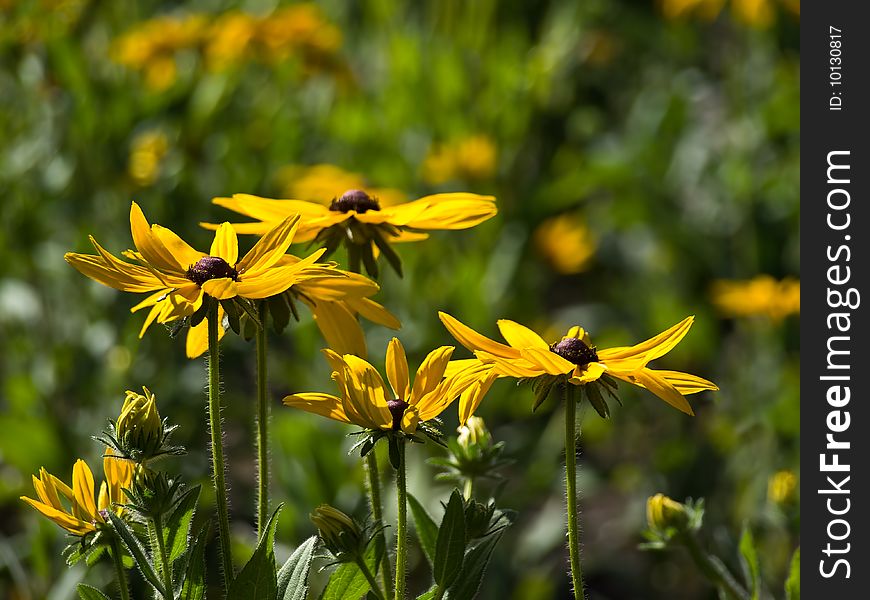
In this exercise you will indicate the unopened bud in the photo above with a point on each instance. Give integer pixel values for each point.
(139, 428)
(662, 513)
(474, 433)
(339, 532)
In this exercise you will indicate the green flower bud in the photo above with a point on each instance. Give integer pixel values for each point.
(139, 428)
(478, 518)
(339, 532)
(662, 514)
(474, 433)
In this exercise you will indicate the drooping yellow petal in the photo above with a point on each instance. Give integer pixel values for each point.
(197, 337)
(454, 211)
(686, 383)
(474, 341)
(587, 373)
(83, 490)
(456, 366)
(324, 405)
(269, 248)
(470, 399)
(367, 393)
(129, 278)
(658, 385)
(431, 372)
(340, 328)
(225, 244)
(519, 336)
(397, 369)
(222, 288)
(510, 367)
(652, 348)
(549, 362)
(374, 312)
(67, 521)
(269, 210)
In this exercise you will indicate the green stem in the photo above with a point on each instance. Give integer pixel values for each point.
(373, 583)
(120, 572)
(571, 489)
(262, 428)
(217, 444)
(373, 481)
(439, 592)
(468, 490)
(401, 525)
(165, 565)
(713, 569)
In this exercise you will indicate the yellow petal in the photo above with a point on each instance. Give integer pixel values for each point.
(587, 373)
(197, 337)
(324, 405)
(519, 336)
(474, 341)
(510, 367)
(652, 348)
(454, 211)
(397, 369)
(267, 209)
(658, 385)
(472, 396)
(128, 278)
(151, 248)
(83, 490)
(222, 289)
(180, 250)
(340, 328)
(374, 312)
(686, 383)
(65, 520)
(225, 244)
(367, 393)
(549, 362)
(456, 366)
(277, 279)
(430, 373)
(269, 248)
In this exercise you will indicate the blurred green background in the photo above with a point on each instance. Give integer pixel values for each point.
(641, 152)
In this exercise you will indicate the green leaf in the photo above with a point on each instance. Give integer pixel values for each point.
(137, 551)
(193, 587)
(427, 530)
(793, 583)
(450, 544)
(473, 568)
(293, 576)
(257, 579)
(428, 595)
(87, 592)
(750, 562)
(178, 525)
(347, 582)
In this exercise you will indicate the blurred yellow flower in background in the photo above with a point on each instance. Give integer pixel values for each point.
(228, 39)
(473, 158)
(781, 487)
(323, 183)
(754, 13)
(760, 296)
(147, 152)
(565, 242)
(83, 514)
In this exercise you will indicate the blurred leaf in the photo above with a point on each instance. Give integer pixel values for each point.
(257, 579)
(143, 561)
(749, 562)
(450, 544)
(87, 592)
(427, 530)
(293, 576)
(793, 583)
(474, 568)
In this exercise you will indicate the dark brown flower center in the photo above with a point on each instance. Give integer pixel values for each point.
(575, 351)
(211, 267)
(397, 409)
(356, 200)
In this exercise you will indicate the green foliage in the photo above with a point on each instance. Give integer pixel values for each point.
(257, 580)
(427, 530)
(293, 576)
(87, 592)
(793, 583)
(749, 562)
(347, 581)
(450, 543)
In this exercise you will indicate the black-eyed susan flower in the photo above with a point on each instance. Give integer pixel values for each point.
(79, 513)
(366, 401)
(574, 359)
(359, 221)
(179, 279)
(760, 296)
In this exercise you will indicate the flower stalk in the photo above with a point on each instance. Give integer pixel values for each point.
(712, 568)
(262, 426)
(373, 583)
(571, 488)
(120, 572)
(401, 524)
(163, 557)
(217, 445)
(373, 481)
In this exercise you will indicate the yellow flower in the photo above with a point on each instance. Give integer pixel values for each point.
(229, 38)
(367, 402)
(300, 28)
(527, 355)
(762, 295)
(148, 150)
(357, 219)
(473, 157)
(321, 183)
(662, 513)
(781, 487)
(565, 242)
(179, 278)
(83, 515)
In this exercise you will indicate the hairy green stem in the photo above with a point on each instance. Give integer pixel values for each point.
(713, 569)
(262, 427)
(571, 489)
(468, 490)
(373, 583)
(401, 524)
(165, 564)
(217, 444)
(120, 572)
(373, 483)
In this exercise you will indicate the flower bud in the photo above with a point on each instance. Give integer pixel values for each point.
(339, 532)
(139, 428)
(662, 513)
(478, 517)
(474, 433)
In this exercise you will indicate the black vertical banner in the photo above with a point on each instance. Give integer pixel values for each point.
(835, 224)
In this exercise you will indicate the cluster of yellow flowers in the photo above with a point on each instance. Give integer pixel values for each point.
(760, 296)
(471, 158)
(147, 152)
(300, 31)
(754, 13)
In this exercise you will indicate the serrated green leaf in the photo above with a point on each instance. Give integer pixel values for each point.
(193, 587)
(474, 566)
(427, 530)
(793, 583)
(347, 582)
(749, 557)
(257, 580)
(87, 592)
(450, 544)
(293, 576)
(178, 525)
(428, 595)
(134, 546)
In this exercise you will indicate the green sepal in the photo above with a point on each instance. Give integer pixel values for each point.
(197, 317)
(233, 315)
(387, 251)
(279, 310)
(394, 453)
(597, 400)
